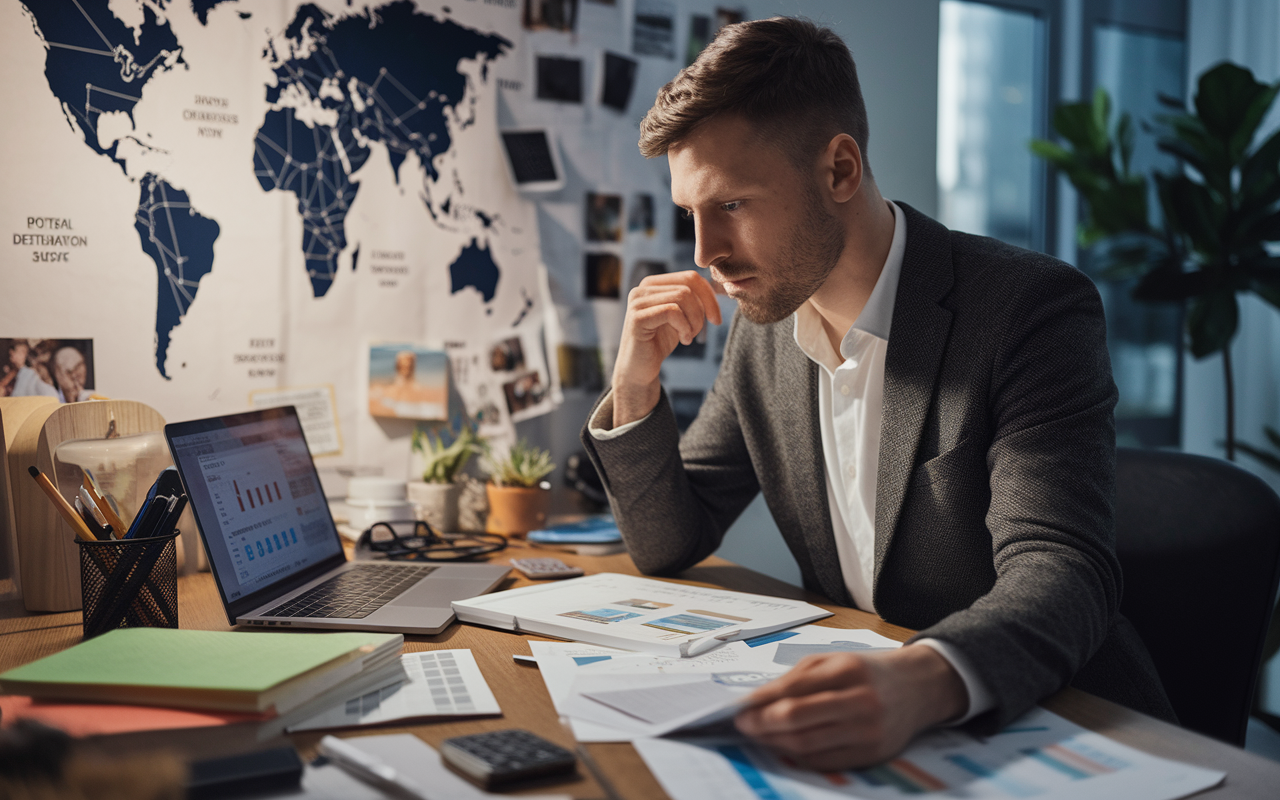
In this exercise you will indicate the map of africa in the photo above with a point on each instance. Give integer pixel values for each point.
(345, 83)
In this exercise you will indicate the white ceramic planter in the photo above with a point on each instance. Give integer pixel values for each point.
(437, 503)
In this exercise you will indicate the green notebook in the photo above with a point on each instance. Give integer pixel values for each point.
(227, 670)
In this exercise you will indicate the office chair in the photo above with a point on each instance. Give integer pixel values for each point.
(1199, 541)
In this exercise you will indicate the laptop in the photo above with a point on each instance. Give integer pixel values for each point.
(273, 548)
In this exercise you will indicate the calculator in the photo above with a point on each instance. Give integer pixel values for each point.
(501, 757)
(545, 568)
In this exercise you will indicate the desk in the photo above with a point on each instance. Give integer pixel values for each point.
(525, 702)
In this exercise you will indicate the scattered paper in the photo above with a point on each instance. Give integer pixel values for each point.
(1040, 755)
(438, 683)
(611, 695)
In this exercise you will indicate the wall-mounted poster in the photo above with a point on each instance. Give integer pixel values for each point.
(580, 367)
(604, 275)
(685, 230)
(604, 217)
(559, 79)
(699, 37)
(61, 368)
(556, 15)
(654, 32)
(317, 411)
(408, 382)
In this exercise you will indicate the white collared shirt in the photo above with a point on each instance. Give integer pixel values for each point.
(850, 413)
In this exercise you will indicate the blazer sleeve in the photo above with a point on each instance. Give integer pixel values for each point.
(1051, 463)
(674, 497)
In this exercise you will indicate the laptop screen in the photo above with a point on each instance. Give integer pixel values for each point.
(256, 498)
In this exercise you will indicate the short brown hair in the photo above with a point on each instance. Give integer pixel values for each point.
(795, 80)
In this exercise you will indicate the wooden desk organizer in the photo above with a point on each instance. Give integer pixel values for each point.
(49, 562)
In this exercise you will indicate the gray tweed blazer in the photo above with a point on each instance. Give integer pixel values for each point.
(994, 527)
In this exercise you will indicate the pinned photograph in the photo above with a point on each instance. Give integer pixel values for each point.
(524, 393)
(604, 217)
(556, 15)
(580, 367)
(699, 37)
(643, 269)
(640, 214)
(408, 382)
(559, 79)
(619, 78)
(60, 368)
(507, 355)
(728, 16)
(654, 32)
(604, 275)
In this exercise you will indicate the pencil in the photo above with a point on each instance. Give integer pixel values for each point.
(64, 508)
(113, 519)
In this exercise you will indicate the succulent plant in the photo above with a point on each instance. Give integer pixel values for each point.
(443, 461)
(523, 465)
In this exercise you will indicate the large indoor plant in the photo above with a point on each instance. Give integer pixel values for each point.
(519, 498)
(1218, 212)
(436, 495)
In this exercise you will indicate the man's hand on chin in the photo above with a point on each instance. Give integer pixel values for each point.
(841, 710)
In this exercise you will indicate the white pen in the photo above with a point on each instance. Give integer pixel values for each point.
(368, 767)
(699, 646)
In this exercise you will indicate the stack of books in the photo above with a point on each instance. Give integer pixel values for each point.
(593, 536)
(161, 678)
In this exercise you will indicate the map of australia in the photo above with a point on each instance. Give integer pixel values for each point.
(388, 75)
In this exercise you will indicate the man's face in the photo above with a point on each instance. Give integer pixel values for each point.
(761, 224)
(70, 372)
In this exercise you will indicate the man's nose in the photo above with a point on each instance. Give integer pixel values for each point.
(711, 243)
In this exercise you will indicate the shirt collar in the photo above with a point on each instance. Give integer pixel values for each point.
(876, 316)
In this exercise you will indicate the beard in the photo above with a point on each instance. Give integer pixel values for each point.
(807, 259)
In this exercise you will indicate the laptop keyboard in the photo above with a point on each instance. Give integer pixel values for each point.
(353, 594)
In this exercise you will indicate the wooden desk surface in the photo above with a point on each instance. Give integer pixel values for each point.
(525, 703)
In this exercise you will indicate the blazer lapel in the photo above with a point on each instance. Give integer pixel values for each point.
(917, 340)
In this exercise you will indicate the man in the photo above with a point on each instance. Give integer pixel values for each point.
(70, 374)
(928, 414)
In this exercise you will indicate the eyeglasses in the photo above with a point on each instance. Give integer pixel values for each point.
(415, 540)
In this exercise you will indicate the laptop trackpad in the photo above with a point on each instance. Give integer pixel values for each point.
(439, 592)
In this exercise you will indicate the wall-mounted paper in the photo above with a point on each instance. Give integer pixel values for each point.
(316, 411)
(535, 164)
(640, 214)
(655, 28)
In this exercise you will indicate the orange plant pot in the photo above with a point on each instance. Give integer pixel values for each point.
(516, 510)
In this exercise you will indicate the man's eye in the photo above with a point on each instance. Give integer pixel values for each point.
(733, 206)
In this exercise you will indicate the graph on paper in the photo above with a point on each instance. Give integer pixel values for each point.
(1041, 756)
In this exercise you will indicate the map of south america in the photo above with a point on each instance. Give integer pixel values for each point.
(388, 75)
(95, 65)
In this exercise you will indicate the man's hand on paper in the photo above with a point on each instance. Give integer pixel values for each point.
(662, 312)
(842, 710)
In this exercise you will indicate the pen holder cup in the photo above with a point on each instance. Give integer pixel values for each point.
(129, 583)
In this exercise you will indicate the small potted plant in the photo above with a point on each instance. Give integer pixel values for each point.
(519, 498)
(436, 495)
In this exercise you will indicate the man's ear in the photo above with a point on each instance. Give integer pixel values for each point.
(842, 167)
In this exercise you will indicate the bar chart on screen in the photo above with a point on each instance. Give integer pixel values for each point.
(1040, 756)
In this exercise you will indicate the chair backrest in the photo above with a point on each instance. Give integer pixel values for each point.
(1199, 541)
